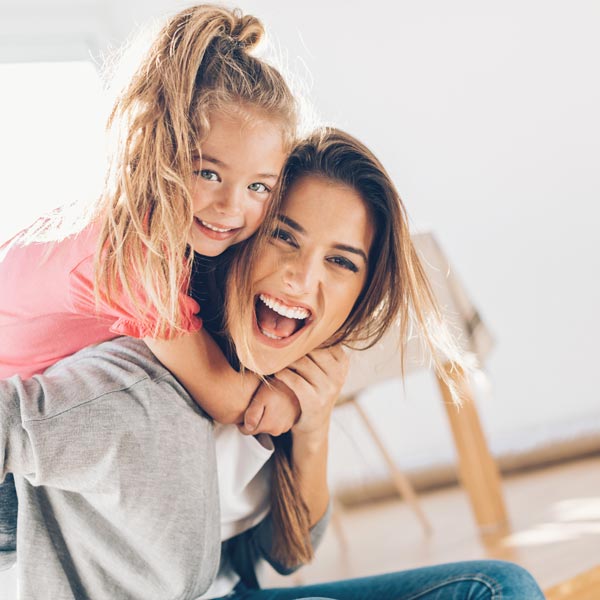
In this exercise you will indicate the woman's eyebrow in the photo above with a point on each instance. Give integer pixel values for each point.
(352, 249)
(344, 247)
(291, 223)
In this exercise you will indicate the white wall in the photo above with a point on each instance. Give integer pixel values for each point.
(486, 115)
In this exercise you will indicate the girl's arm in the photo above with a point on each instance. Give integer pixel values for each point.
(317, 380)
(201, 367)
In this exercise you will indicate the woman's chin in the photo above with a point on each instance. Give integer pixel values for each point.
(265, 360)
(260, 368)
(260, 362)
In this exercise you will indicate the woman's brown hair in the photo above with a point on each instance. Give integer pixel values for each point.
(396, 291)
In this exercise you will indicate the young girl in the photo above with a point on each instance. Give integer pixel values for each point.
(201, 133)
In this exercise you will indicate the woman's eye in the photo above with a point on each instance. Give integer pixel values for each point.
(344, 262)
(261, 188)
(284, 236)
(206, 174)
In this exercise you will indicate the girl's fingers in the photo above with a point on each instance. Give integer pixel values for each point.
(278, 419)
(254, 413)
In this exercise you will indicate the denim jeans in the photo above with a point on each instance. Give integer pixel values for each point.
(8, 522)
(471, 580)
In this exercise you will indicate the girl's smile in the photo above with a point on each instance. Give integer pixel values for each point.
(232, 181)
(215, 232)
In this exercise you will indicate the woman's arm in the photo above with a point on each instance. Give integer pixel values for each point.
(317, 380)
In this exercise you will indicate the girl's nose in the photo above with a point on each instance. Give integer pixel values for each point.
(230, 201)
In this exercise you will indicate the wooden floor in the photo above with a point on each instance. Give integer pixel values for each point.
(555, 533)
(585, 586)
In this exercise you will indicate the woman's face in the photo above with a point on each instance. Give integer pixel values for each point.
(309, 276)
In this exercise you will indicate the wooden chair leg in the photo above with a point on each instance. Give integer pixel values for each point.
(401, 482)
(478, 470)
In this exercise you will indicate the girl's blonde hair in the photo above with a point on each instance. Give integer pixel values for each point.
(396, 291)
(201, 62)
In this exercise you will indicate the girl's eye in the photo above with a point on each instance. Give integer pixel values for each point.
(208, 175)
(284, 236)
(261, 188)
(344, 262)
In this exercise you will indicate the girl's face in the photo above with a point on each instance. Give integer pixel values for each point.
(309, 276)
(231, 186)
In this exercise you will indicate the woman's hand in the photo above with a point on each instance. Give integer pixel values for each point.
(312, 383)
(317, 381)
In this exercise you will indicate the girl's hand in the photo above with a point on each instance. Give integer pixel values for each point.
(317, 381)
(274, 409)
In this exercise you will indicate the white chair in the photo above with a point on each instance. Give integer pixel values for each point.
(477, 469)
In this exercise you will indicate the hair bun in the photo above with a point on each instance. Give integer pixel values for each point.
(247, 31)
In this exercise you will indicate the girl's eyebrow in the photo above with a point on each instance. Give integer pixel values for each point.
(220, 163)
(212, 159)
(344, 247)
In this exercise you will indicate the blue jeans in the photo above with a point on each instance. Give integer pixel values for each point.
(8, 522)
(472, 580)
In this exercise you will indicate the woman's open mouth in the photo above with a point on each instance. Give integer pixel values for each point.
(277, 321)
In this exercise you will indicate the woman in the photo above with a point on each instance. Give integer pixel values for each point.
(131, 511)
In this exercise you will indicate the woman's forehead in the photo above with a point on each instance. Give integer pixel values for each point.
(328, 208)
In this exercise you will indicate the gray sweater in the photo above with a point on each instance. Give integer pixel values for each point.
(116, 476)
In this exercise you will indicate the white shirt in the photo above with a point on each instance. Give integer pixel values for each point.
(244, 474)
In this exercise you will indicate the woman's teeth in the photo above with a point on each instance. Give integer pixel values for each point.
(214, 227)
(291, 312)
(271, 336)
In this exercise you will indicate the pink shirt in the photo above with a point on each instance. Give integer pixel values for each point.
(47, 305)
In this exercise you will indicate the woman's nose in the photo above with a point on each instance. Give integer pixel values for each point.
(301, 275)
